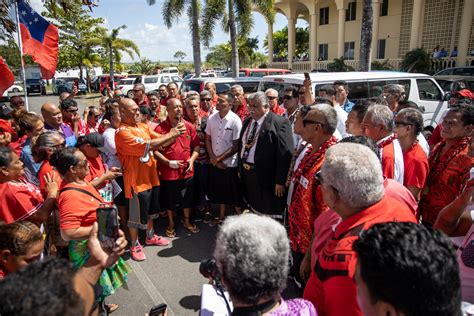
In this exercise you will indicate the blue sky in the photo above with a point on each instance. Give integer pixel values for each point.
(145, 26)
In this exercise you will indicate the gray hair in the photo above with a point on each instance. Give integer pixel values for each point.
(271, 90)
(252, 255)
(396, 89)
(192, 97)
(139, 85)
(414, 117)
(237, 87)
(330, 116)
(355, 172)
(260, 97)
(42, 143)
(381, 115)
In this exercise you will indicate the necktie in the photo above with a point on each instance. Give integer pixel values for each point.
(250, 141)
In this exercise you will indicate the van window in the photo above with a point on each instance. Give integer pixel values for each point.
(190, 86)
(249, 87)
(279, 86)
(427, 90)
(376, 87)
(165, 79)
(176, 79)
(358, 90)
(257, 74)
(223, 87)
(151, 80)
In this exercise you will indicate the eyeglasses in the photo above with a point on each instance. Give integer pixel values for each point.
(271, 98)
(206, 100)
(312, 122)
(287, 97)
(120, 95)
(398, 124)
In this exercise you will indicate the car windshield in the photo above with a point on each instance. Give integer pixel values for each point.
(33, 80)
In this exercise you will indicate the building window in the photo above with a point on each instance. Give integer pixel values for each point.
(323, 52)
(324, 16)
(384, 8)
(351, 11)
(381, 49)
(349, 50)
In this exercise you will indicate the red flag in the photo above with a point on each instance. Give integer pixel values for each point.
(39, 39)
(6, 77)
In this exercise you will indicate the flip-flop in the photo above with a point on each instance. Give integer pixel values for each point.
(192, 228)
(111, 308)
(170, 233)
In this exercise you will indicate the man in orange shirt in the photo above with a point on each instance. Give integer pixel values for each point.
(134, 142)
(408, 125)
(352, 185)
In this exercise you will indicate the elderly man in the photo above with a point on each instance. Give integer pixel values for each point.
(394, 94)
(211, 87)
(304, 194)
(176, 167)
(53, 120)
(222, 142)
(422, 260)
(342, 91)
(134, 140)
(264, 157)
(239, 104)
(139, 95)
(352, 185)
(207, 106)
(17, 102)
(408, 125)
(378, 124)
(272, 96)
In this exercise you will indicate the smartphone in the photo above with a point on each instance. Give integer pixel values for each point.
(306, 76)
(158, 310)
(107, 218)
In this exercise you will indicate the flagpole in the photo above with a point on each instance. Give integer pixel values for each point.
(20, 45)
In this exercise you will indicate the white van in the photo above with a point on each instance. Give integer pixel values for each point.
(170, 70)
(421, 89)
(153, 82)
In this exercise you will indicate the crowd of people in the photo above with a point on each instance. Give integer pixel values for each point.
(350, 200)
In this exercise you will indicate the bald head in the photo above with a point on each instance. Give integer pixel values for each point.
(129, 111)
(52, 115)
(174, 107)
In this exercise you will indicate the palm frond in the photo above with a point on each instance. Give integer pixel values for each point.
(212, 13)
(243, 17)
(172, 9)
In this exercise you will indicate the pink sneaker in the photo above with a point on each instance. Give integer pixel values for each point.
(137, 253)
(157, 241)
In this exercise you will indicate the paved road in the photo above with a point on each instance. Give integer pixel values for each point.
(170, 274)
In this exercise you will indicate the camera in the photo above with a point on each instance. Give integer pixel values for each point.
(214, 299)
(208, 268)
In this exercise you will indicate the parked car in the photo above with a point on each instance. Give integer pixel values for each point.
(447, 82)
(170, 70)
(13, 90)
(456, 71)
(203, 75)
(35, 86)
(81, 86)
(126, 85)
(59, 84)
(419, 88)
(223, 84)
(153, 82)
(260, 72)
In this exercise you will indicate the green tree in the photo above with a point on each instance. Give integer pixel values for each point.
(280, 42)
(179, 55)
(339, 65)
(113, 47)
(172, 9)
(220, 55)
(144, 66)
(417, 60)
(236, 20)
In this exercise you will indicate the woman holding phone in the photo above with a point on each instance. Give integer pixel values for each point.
(78, 202)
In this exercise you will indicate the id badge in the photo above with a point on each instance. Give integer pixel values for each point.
(304, 182)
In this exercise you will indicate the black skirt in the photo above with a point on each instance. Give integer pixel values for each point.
(224, 186)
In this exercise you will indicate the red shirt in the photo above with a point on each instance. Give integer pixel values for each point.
(19, 200)
(335, 290)
(397, 191)
(142, 102)
(180, 149)
(242, 111)
(82, 128)
(278, 110)
(45, 169)
(416, 167)
(435, 137)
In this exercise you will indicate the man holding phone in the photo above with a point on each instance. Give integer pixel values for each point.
(134, 141)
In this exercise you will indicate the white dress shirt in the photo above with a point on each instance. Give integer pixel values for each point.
(223, 132)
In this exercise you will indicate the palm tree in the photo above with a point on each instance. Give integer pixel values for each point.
(114, 46)
(172, 9)
(366, 36)
(238, 17)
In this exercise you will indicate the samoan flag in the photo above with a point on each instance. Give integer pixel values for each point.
(39, 39)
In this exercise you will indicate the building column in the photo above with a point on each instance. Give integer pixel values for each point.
(465, 33)
(416, 24)
(313, 41)
(270, 43)
(340, 32)
(375, 29)
(291, 41)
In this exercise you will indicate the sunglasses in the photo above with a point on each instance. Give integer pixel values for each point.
(272, 98)
(305, 122)
(398, 124)
(287, 97)
(120, 95)
(206, 100)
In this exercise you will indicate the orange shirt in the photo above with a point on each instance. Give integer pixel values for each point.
(77, 209)
(132, 142)
(416, 167)
(336, 292)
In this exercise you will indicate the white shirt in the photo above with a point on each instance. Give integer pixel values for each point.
(223, 132)
(424, 144)
(398, 153)
(341, 120)
(109, 150)
(246, 135)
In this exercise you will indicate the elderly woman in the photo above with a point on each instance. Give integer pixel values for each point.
(19, 199)
(393, 94)
(20, 244)
(252, 257)
(77, 208)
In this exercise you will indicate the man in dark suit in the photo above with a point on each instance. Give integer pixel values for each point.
(264, 157)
